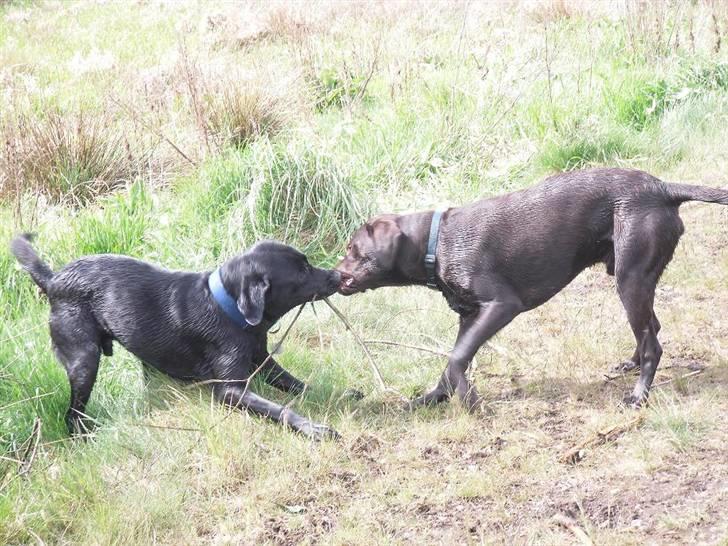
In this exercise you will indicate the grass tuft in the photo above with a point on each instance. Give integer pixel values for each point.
(578, 148)
(118, 226)
(239, 112)
(70, 157)
(303, 198)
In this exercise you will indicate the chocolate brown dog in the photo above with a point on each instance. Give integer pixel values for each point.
(499, 257)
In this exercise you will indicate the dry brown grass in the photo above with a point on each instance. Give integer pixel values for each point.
(71, 156)
(230, 108)
(241, 111)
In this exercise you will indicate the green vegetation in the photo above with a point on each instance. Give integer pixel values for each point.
(181, 133)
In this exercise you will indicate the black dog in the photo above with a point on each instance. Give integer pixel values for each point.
(499, 257)
(198, 326)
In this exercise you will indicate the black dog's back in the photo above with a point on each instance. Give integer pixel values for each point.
(177, 323)
(157, 314)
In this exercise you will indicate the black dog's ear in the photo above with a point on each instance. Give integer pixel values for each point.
(252, 300)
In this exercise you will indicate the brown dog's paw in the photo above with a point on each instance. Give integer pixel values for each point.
(477, 405)
(626, 367)
(633, 402)
(432, 398)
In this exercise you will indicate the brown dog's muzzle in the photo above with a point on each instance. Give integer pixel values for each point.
(348, 284)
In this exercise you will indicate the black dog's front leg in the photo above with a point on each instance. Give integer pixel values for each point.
(237, 396)
(276, 376)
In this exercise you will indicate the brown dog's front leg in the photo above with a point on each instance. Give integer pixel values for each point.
(474, 330)
(237, 396)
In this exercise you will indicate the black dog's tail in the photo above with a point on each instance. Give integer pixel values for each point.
(31, 262)
(685, 192)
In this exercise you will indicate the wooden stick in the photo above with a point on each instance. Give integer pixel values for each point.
(406, 346)
(575, 454)
(571, 525)
(661, 383)
(375, 369)
(30, 452)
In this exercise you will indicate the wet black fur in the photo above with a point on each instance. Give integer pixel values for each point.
(169, 320)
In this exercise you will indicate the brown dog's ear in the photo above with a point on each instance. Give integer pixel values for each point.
(251, 302)
(370, 229)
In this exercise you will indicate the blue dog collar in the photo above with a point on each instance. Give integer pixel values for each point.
(430, 258)
(225, 300)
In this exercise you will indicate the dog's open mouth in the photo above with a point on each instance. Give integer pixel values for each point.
(348, 284)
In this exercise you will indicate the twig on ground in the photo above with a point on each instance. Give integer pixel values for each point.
(570, 524)
(22, 334)
(165, 427)
(375, 369)
(406, 346)
(693, 372)
(577, 453)
(30, 452)
(10, 460)
(661, 383)
(36, 397)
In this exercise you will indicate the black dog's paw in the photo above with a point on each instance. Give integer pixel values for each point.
(319, 432)
(81, 428)
(352, 394)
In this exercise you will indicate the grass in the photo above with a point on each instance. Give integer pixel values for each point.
(181, 133)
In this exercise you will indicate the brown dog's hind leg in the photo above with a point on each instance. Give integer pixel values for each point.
(475, 330)
(638, 305)
(644, 246)
(633, 363)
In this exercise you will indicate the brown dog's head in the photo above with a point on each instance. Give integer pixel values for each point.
(372, 256)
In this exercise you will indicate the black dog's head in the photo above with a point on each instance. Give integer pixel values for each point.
(272, 278)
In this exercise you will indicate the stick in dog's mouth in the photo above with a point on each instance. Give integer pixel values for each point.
(348, 284)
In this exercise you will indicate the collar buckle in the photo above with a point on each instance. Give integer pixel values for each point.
(431, 255)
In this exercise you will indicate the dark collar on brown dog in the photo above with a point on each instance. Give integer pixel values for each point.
(430, 258)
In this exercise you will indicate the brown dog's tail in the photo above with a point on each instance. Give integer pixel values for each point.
(685, 192)
(31, 262)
